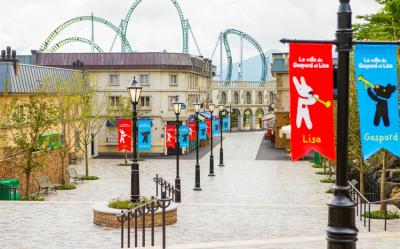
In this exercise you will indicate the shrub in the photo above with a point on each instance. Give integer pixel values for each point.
(321, 173)
(377, 214)
(33, 198)
(327, 180)
(330, 191)
(89, 178)
(67, 186)
(317, 166)
(119, 203)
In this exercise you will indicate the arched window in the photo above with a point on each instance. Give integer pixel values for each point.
(236, 98)
(223, 98)
(248, 98)
(260, 98)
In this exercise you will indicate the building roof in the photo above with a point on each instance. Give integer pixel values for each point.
(150, 60)
(31, 78)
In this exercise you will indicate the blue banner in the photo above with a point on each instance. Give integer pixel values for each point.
(225, 124)
(184, 136)
(215, 127)
(202, 131)
(377, 90)
(144, 134)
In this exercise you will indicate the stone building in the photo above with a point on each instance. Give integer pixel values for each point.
(247, 101)
(164, 77)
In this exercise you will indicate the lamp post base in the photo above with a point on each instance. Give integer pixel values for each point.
(197, 189)
(135, 192)
(221, 165)
(341, 230)
(211, 165)
(197, 178)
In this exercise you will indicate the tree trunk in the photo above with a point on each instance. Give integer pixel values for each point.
(362, 185)
(383, 180)
(126, 157)
(86, 160)
(62, 156)
(27, 189)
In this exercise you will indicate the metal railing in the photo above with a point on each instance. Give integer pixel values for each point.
(12, 192)
(164, 186)
(362, 202)
(372, 188)
(126, 217)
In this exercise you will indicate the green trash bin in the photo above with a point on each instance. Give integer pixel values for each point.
(9, 189)
(317, 158)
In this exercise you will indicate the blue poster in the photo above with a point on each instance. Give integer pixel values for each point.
(377, 90)
(184, 136)
(144, 134)
(225, 124)
(215, 127)
(202, 131)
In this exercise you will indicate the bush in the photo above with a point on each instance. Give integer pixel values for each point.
(327, 180)
(33, 198)
(123, 164)
(67, 186)
(89, 178)
(126, 204)
(330, 191)
(377, 214)
(321, 173)
(317, 166)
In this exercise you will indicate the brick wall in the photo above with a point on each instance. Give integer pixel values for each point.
(51, 167)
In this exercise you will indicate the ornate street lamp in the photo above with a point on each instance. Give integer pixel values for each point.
(221, 150)
(177, 108)
(197, 105)
(211, 109)
(134, 91)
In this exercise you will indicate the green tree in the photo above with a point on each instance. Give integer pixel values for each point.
(28, 122)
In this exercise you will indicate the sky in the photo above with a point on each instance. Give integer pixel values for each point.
(155, 25)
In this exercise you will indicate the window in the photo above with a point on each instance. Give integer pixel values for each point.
(271, 96)
(173, 79)
(223, 98)
(115, 101)
(145, 101)
(77, 144)
(236, 98)
(114, 80)
(171, 99)
(260, 98)
(248, 98)
(144, 79)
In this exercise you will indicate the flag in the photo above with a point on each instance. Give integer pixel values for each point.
(144, 134)
(377, 92)
(170, 136)
(192, 131)
(311, 100)
(184, 136)
(124, 134)
(202, 131)
(208, 125)
(215, 127)
(225, 124)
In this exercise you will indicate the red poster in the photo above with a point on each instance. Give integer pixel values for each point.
(124, 134)
(311, 100)
(208, 126)
(170, 136)
(192, 131)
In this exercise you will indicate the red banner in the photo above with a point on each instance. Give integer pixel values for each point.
(124, 134)
(311, 100)
(208, 125)
(170, 136)
(192, 131)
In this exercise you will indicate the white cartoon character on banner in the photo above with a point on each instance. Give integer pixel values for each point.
(122, 136)
(306, 98)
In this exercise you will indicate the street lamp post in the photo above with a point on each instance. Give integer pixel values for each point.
(177, 108)
(221, 150)
(230, 117)
(134, 91)
(197, 187)
(211, 109)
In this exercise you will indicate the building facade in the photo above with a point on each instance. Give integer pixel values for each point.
(164, 77)
(247, 101)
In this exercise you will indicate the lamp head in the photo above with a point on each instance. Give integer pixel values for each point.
(197, 105)
(177, 106)
(134, 90)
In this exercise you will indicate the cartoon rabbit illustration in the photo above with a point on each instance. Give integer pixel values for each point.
(306, 98)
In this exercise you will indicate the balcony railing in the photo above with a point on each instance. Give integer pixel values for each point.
(240, 84)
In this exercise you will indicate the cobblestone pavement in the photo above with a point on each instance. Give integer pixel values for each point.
(249, 204)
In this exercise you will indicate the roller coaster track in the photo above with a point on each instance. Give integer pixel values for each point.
(59, 44)
(229, 54)
(184, 25)
(66, 24)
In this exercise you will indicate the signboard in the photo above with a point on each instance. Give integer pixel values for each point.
(215, 127)
(202, 131)
(184, 136)
(124, 134)
(144, 134)
(192, 131)
(170, 136)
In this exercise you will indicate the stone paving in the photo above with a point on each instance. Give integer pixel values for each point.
(249, 204)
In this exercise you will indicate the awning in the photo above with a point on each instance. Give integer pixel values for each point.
(207, 115)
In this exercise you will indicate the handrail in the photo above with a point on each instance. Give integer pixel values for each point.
(363, 200)
(165, 187)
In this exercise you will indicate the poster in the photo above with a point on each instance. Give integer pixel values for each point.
(144, 134)
(208, 125)
(215, 127)
(192, 131)
(377, 92)
(225, 124)
(202, 131)
(311, 100)
(124, 134)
